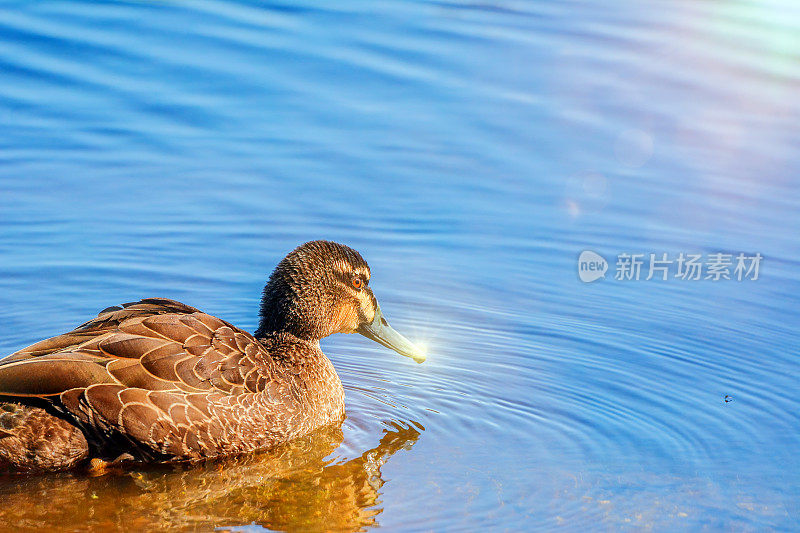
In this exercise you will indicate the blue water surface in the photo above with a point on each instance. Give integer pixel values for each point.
(470, 151)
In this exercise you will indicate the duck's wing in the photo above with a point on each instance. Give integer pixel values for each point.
(106, 321)
(151, 371)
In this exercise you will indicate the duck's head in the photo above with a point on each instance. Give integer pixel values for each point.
(322, 288)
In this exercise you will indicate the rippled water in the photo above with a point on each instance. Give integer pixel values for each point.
(470, 151)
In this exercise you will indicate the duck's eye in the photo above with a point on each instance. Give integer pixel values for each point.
(358, 283)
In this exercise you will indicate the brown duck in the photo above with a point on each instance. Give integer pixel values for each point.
(160, 381)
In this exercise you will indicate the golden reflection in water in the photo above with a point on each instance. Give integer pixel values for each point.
(291, 488)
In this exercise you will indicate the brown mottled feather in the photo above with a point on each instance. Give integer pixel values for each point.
(33, 440)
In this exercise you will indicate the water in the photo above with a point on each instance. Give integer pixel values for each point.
(470, 151)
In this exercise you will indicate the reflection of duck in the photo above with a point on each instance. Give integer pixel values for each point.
(292, 487)
(159, 381)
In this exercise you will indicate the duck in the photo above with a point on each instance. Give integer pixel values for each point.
(159, 381)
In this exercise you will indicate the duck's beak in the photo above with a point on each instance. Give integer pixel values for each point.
(381, 332)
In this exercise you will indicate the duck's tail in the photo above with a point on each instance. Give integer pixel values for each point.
(33, 440)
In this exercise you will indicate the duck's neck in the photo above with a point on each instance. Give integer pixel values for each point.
(312, 374)
(286, 347)
(282, 312)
